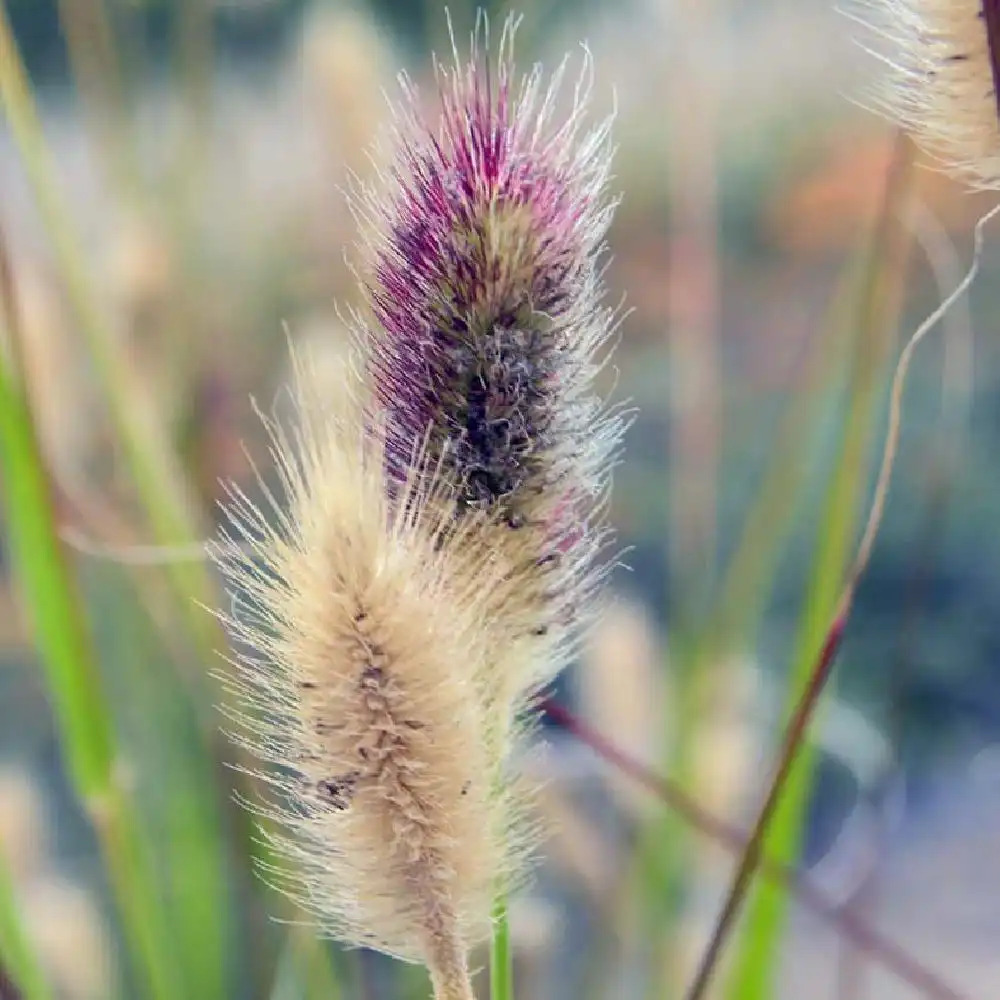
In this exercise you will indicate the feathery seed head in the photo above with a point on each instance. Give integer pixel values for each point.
(486, 284)
(944, 62)
(485, 287)
(440, 540)
(361, 678)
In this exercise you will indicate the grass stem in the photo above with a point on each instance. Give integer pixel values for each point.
(864, 937)
(501, 958)
(20, 966)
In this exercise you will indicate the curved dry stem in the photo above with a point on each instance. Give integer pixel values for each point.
(804, 710)
(889, 451)
(946, 268)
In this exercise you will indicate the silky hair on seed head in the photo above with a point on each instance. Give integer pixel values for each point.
(486, 326)
(943, 57)
(439, 539)
(358, 679)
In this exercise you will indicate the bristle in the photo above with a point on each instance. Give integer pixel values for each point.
(360, 674)
(442, 538)
(486, 287)
(943, 58)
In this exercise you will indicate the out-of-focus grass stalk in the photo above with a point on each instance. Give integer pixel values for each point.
(157, 476)
(743, 593)
(851, 926)
(193, 64)
(695, 412)
(90, 42)
(19, 959)
(74, 683)
(194, 57)
(501, 957)
(747, 580)
(693, 341)
(710, 661)
(304, 969)
(154, 471)
(180, 815)
(878, 307)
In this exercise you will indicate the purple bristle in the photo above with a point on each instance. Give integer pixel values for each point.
(485, 289)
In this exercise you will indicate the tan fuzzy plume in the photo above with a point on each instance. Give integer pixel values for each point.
(486, 327)
(943, 57)
(360, 674)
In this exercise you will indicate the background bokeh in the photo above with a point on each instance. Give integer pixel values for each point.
(775, 241)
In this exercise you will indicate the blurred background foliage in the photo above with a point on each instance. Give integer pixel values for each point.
(187, 211)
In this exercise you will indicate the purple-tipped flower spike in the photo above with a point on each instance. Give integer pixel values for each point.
(438, 541)
(486, 289)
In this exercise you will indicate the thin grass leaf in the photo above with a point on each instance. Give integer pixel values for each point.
(157, 477)
(866, 939)
(304, 969)
(152, 468)
(53, 604)
(19, 960)
(755, 969)
(661, 860)
(179, 811)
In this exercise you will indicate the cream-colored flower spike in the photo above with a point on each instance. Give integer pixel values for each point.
(944, 57)
(360, 674)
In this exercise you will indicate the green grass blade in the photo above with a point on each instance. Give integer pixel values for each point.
(501, 957)
(159, 728)
(663, 849)
(305, 969)
(51, 598)
(159, 480)
(19, 960)
(58, 624)
(757, 959)
(160, 486)
(759, 952)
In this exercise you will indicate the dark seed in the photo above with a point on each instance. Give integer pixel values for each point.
(372, 677)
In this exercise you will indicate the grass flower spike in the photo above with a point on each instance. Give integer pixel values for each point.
(485, 285)
(359, 682)
(441, 538)
(944, 57)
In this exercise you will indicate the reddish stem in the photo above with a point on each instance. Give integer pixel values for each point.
(864, 937)
(750, 860)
